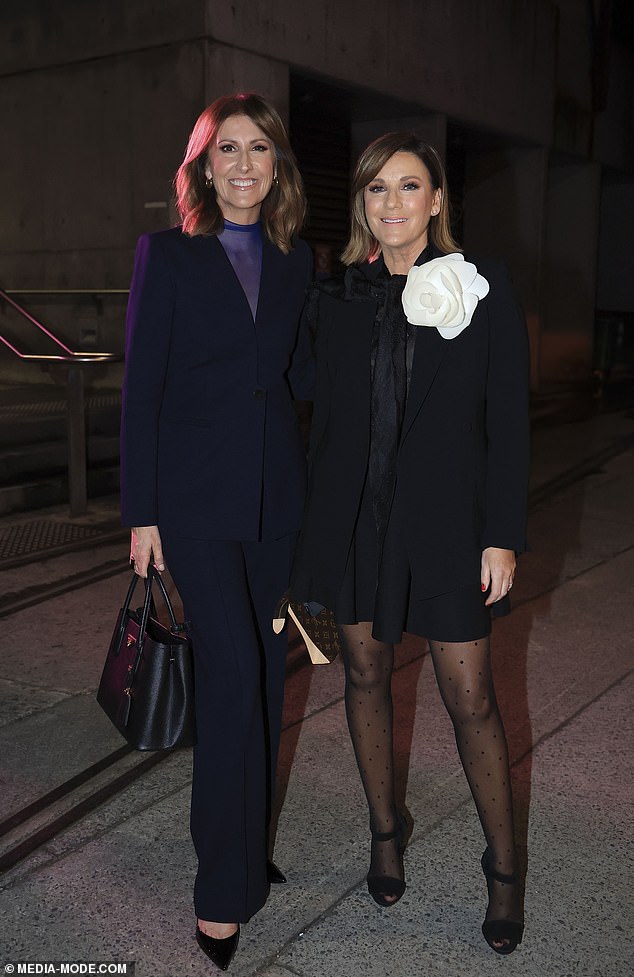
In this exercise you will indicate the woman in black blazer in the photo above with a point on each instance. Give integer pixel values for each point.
(213, 470)
(416, 504)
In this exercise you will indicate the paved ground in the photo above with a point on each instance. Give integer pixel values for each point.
(116, 883)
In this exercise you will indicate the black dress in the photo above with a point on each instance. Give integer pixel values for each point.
(377, 584)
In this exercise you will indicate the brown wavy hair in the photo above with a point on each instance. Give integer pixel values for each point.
(362, 244)
(283, 209)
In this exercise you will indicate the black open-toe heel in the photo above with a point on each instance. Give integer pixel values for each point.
(385, 889)
(219, 952)
(505, 932)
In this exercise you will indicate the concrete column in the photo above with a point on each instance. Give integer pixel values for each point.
(504, 206)
(229, 69)
(432, 128)
(616, 252)
(573, 205)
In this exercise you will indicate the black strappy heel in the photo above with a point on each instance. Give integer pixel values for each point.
(507, 932)
(385, 889)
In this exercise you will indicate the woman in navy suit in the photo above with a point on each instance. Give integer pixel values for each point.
(213, 470)
(416, 504)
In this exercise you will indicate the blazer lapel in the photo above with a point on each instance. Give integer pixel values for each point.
(271, 279)
(429, 350)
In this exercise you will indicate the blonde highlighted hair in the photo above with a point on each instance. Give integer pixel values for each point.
(362, 244)
(283, 209)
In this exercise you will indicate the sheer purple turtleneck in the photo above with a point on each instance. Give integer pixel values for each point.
(243, 246)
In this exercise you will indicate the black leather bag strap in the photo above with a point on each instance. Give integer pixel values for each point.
(148, 604)
(145, 613)
(153, 576)
(123, 616)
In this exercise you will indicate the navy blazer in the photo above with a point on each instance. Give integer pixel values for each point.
(462, 467)
(210, 443)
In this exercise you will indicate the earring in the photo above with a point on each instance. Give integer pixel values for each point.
(275, 180)
(209, 182)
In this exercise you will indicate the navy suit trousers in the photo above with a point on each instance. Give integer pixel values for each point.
(229, 591)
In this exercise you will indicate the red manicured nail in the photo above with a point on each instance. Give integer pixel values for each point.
(482, 587)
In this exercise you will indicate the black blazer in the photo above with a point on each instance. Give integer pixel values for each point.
(210, 444)
(462, 470)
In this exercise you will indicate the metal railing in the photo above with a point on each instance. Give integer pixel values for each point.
(67, 291)
(73, 363)
(96, 294)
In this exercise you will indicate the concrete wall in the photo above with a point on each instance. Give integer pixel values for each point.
(573, 81)
(613, 143)
(615, 271)
(44, 33)
(446, 55)
(504, 215)
(97, 98)
(432, 128)
(89, 166)
(90, 146)
(572, 203)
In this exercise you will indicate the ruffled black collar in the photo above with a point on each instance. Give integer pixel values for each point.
(358, 280)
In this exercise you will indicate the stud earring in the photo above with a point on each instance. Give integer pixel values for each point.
(209, 182)
(275, 180)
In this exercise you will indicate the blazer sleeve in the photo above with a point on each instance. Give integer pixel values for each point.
(301, 373)
(507, 419)
(148, 332)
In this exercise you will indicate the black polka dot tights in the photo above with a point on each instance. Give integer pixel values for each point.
(463, 673)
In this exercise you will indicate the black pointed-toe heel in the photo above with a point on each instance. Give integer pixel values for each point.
(385, 889)
(219, 952)
(274, 874)
(506, 932)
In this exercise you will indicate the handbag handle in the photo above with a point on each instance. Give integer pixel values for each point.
(152, 576)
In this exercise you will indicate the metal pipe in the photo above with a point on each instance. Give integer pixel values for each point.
(67, 291)
(35, 322)
(77, 479)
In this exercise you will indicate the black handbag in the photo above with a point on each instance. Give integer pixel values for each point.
(147, 683)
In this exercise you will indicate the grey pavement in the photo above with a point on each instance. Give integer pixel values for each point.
(116, 884)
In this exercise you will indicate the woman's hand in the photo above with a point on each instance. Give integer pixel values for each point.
(497, 570)
(145, 544)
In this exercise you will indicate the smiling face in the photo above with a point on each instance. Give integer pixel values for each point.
(399, 203)
(241, 162)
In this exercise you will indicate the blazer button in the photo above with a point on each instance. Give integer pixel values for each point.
(260, 393)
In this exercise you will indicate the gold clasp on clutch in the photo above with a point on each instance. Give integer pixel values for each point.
(128, 691)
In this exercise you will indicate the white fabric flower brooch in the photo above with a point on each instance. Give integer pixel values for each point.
(443, 293)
